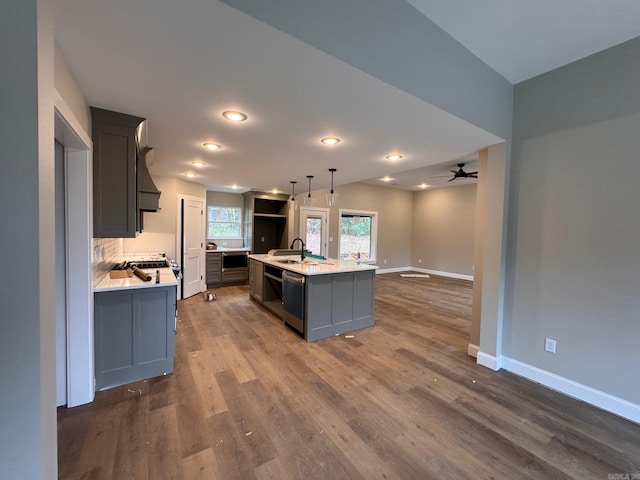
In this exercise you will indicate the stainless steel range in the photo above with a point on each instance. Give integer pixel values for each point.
(154, 262)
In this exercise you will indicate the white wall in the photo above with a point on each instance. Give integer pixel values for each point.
(159, 232)
(443, 234)
(574, 258)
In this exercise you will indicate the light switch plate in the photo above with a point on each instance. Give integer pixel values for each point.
(550, 345)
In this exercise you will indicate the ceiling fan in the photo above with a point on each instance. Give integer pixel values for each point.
(460, 173)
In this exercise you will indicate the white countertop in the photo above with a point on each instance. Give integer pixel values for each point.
(228, 249)
(311, 266)
(167, 278)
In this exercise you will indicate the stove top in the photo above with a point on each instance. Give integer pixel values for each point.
(143, 264)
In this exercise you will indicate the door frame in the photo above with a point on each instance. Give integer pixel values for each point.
(326, 212)
(79, 232)
(180, 233)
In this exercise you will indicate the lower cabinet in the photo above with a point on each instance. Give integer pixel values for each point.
(135, 335)
(256, 278)
(223, 270)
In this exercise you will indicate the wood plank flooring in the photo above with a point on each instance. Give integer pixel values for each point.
(401, 400)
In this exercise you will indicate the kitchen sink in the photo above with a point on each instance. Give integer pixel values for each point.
(288, 261)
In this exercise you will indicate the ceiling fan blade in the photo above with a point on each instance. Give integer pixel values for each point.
(452, 179)
(472, 173)
(441, 176)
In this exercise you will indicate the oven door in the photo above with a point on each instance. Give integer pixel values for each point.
(232, 260)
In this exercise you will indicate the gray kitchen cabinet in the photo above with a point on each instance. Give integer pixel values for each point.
(265, 221)
(256, 279)
(214, 269)
(217, 275)
(114, 173)
(135, 335)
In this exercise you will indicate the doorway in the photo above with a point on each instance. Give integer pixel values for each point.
(191, 222)
(314, 229)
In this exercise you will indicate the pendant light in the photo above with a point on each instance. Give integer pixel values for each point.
(332, 197)
(309, 201)
(293, 202)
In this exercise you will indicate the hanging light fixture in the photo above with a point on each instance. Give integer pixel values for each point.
(292, 201)
(309, 201)
(332, 197)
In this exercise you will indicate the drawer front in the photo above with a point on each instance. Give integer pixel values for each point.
(235, 275)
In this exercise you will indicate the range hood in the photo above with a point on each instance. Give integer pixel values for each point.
(148, 193)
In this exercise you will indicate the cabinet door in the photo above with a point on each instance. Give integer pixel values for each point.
(114, 173)
(114, 180)
(154, 333)
(256, 279)
(214, 269)
(114, 342)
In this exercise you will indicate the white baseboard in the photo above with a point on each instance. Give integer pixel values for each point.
(472, 350)
(489, 361)
(443, 274)
(392, 270)
(597, 398)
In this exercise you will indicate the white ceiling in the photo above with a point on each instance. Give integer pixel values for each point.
(520, 39)
(180, 64)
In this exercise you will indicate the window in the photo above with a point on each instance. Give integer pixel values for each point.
(224, 222)
(358, 233)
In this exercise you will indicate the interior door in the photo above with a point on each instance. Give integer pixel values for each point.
(192, 246)
(314, 229)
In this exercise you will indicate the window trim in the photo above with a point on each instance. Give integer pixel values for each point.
(240, 237)
(374, 231)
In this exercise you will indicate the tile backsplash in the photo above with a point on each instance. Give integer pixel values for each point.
(105, 252)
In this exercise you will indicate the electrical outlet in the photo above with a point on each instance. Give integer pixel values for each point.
(331, 239)
(419, 260)
(385, 261)
(550, 345)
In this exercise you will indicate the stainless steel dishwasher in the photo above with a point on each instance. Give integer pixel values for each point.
(293, 300)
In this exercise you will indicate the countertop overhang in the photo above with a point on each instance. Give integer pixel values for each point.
(167, 278)
(311, 266)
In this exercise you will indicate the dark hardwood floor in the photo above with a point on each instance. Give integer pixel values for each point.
(401, 400)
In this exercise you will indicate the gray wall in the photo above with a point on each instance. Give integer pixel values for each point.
(394, 209)
(27, 344)
(69, 89)
(443, 234)
(574, 258)
(419, 58)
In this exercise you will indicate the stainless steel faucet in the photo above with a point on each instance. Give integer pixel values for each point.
(301, 249)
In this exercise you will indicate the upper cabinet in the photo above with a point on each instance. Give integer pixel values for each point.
(122, 186)
(265, 221)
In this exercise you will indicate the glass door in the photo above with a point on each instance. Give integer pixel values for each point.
(314, 229)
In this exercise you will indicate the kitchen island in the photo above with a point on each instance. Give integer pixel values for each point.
(317, 298)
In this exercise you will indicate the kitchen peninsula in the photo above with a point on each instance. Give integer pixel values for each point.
(317, 298)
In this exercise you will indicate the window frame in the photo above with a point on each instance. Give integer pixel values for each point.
(239, 237)
(373, 254)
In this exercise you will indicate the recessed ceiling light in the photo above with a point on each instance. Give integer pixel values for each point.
(423, 185)
(235, 186)
(190, 174)
(393, 157)
(330, 140)
(234, 115)
(198, 164)
(211, 146)
(387, 179)
(275, 191)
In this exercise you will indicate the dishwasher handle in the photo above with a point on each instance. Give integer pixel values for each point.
(292, 278)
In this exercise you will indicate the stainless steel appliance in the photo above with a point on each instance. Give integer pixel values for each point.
(234, 260)
(293, 300)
